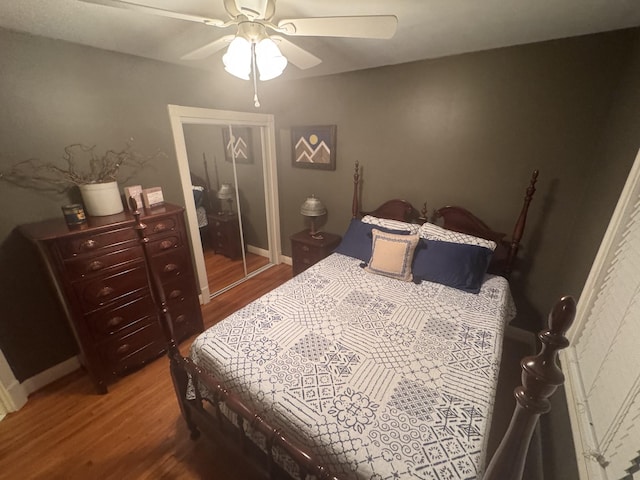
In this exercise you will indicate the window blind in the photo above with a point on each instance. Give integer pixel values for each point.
(605, 357)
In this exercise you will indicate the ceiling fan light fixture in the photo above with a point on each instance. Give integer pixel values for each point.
(237, 60)
(270, 61)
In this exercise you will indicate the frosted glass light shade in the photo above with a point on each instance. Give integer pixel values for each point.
(237, 60)
(270, 61)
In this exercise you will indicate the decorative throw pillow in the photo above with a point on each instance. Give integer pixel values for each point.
(391, 224)
(392, 254)
(455, 265)
(356, 241)
(430, 231)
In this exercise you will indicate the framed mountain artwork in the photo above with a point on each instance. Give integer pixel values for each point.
(237, 143)
(314, 147)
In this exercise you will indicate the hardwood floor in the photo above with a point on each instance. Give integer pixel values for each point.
(66, 431)
(222, 271)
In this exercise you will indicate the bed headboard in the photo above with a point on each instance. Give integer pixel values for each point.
(458, 219)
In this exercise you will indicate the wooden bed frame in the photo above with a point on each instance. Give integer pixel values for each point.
(540, 374)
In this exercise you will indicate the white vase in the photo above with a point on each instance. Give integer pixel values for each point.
(101, 199)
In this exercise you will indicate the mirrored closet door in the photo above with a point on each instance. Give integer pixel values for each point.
(228, 176)
(226, 171)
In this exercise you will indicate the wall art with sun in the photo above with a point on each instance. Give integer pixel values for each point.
(314, 147)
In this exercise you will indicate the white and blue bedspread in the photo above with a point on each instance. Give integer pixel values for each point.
(380, 378)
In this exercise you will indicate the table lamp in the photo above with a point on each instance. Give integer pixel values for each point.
(226, 193)
(313, 208)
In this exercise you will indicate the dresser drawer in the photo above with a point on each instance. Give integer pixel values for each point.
(111, 321)
(178, 291)
(165, 244)
(94, 242)
(184, 318)
(173, 264)
(85, 265)
(160, 226)
(94, 293)
(133, 350)
(307, 255)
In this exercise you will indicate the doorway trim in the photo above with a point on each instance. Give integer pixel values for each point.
(179, 116)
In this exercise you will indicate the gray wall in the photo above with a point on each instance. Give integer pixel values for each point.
(462, 130)
(468, 130)
(53, 94)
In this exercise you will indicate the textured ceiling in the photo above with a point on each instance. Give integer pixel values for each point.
(426, 28)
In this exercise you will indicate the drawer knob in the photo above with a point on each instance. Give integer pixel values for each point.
(219, 234)
(88, 244)
(181, 318)
(165, 244)
(105, 292)
(305, 248)
(170, 267)
(95, 266)
(306, 261)
(124, 348)
(115, 321)
(175, 294)
(160, 227)
(217, 224)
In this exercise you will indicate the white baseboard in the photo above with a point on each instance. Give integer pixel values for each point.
(286, 260)
(50, 375)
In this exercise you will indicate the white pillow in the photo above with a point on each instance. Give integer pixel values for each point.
(430, 231)
(392, 255)
(391, 224)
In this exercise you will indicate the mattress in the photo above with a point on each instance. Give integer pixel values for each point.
(379, 378)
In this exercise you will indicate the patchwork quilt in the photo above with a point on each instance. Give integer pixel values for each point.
(380, 378)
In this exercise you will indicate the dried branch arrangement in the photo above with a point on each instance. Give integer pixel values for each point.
(79, 165)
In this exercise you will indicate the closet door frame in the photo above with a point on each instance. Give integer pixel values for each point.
(179, 116)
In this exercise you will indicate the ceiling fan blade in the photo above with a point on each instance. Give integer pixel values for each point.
(208, 49)
(373, 26)
(157, 11)
(294, 54)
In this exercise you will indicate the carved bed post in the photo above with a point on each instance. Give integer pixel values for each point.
(541, 376)
(518, 230)
(355, 208)
(178, 375)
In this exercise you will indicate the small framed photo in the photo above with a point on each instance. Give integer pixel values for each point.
(237, 141)
(314, 147)
(152, 197)
(134, 191)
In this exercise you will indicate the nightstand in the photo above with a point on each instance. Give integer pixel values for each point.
(307, 250)
(225, 234)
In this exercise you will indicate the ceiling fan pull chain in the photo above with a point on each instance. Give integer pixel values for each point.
(256, 102)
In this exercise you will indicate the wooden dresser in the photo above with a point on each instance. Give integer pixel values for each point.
(225, 234)
(99, 273)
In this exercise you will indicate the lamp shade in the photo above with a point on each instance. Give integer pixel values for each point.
(237, 60)
(270, 61)
(312, 207)
(225, 192)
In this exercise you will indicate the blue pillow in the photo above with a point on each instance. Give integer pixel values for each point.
(452, 264)
(357, 240)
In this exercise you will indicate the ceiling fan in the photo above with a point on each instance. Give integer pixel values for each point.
(254, 19)
(253, 48)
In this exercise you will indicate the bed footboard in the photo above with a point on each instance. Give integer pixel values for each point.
(541, 376)
(197, 417)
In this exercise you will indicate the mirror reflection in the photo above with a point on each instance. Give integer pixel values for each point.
(227, 178)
